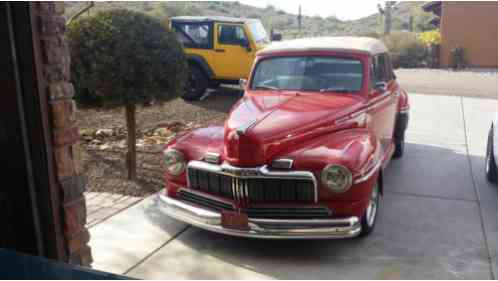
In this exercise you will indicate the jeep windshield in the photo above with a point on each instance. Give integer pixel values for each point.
(258, 32)
(309, 73)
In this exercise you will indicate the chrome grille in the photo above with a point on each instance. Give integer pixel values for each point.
(252, 189)
(204, 200)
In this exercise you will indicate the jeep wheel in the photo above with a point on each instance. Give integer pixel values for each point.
(197, 84)
(491, 170)
(370, 217)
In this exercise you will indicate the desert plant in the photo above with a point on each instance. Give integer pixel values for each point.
(458, 58)
(406, 49)
(125, 58)
(432, 37)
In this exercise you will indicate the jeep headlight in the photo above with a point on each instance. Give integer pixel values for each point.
(337, 178)
(174, 162)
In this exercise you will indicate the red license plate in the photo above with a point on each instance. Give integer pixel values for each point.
(234, 220)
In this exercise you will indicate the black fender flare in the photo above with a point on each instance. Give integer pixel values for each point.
(401, 124)
(494, 128)
(199, 61)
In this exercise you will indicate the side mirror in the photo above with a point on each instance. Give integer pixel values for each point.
(243, 83)
(276, 37)
(380, 87)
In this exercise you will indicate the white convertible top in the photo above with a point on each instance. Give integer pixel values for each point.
(368, 45)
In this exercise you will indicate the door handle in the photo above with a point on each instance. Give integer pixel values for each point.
(219, 50)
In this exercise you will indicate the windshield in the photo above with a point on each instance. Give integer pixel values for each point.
(309, 73)
(258, 31)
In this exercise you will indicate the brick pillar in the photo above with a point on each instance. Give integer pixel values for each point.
(50, 25)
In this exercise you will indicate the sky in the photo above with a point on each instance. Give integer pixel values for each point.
(342, 9)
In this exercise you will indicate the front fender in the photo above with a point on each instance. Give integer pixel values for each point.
(357, 149)
(194, 145)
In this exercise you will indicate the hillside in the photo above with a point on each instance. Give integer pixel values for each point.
(272, 17)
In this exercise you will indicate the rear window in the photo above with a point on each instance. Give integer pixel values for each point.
(194, 35)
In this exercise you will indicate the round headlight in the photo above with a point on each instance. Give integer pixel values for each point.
(174, 162)
(337, 178)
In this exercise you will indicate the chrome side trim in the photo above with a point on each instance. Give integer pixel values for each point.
(262, 228)
(362, 177)
(369, 174)
(362, 115)
(249, 173)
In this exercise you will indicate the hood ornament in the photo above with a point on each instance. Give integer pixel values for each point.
(243, 129)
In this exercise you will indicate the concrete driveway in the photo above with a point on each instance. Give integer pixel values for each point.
(438, 219)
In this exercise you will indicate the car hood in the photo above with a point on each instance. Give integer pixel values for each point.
(263, 125)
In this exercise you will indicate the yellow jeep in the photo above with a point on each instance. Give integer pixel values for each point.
(219, 49)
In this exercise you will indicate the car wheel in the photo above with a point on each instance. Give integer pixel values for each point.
(399, 146)
(370, 217)
(491, 171)
(197, 84)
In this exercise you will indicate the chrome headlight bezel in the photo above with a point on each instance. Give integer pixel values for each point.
(174, 162)
(346, 180)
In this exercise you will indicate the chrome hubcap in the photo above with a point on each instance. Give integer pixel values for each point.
(372, 206)
(488, 163)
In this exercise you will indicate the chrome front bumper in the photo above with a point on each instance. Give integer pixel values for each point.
(262, 228)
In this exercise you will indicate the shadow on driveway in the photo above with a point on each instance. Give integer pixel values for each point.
(429, 227)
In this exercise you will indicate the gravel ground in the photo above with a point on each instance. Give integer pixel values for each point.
(105, 167)
(473, 83)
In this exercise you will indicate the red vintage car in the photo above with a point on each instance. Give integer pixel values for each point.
(302, 153)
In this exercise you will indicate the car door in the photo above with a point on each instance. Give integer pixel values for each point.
(233, 54)
(383, 100)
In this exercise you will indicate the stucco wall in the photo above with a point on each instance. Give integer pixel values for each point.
(474, 26)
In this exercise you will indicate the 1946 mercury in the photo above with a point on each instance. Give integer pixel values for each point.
(302, 154)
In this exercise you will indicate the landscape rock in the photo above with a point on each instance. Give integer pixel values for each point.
(87, 132)
(102, 133)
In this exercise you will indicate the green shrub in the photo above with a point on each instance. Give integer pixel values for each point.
(120, 57)
(125, 58)
(406, 50)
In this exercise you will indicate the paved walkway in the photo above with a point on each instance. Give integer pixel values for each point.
(101, 206)
(438, 219)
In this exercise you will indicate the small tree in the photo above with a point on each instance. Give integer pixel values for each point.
(125, 58)
(406, 49)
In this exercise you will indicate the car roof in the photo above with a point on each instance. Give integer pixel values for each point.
(211, 19)
(367, 45)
